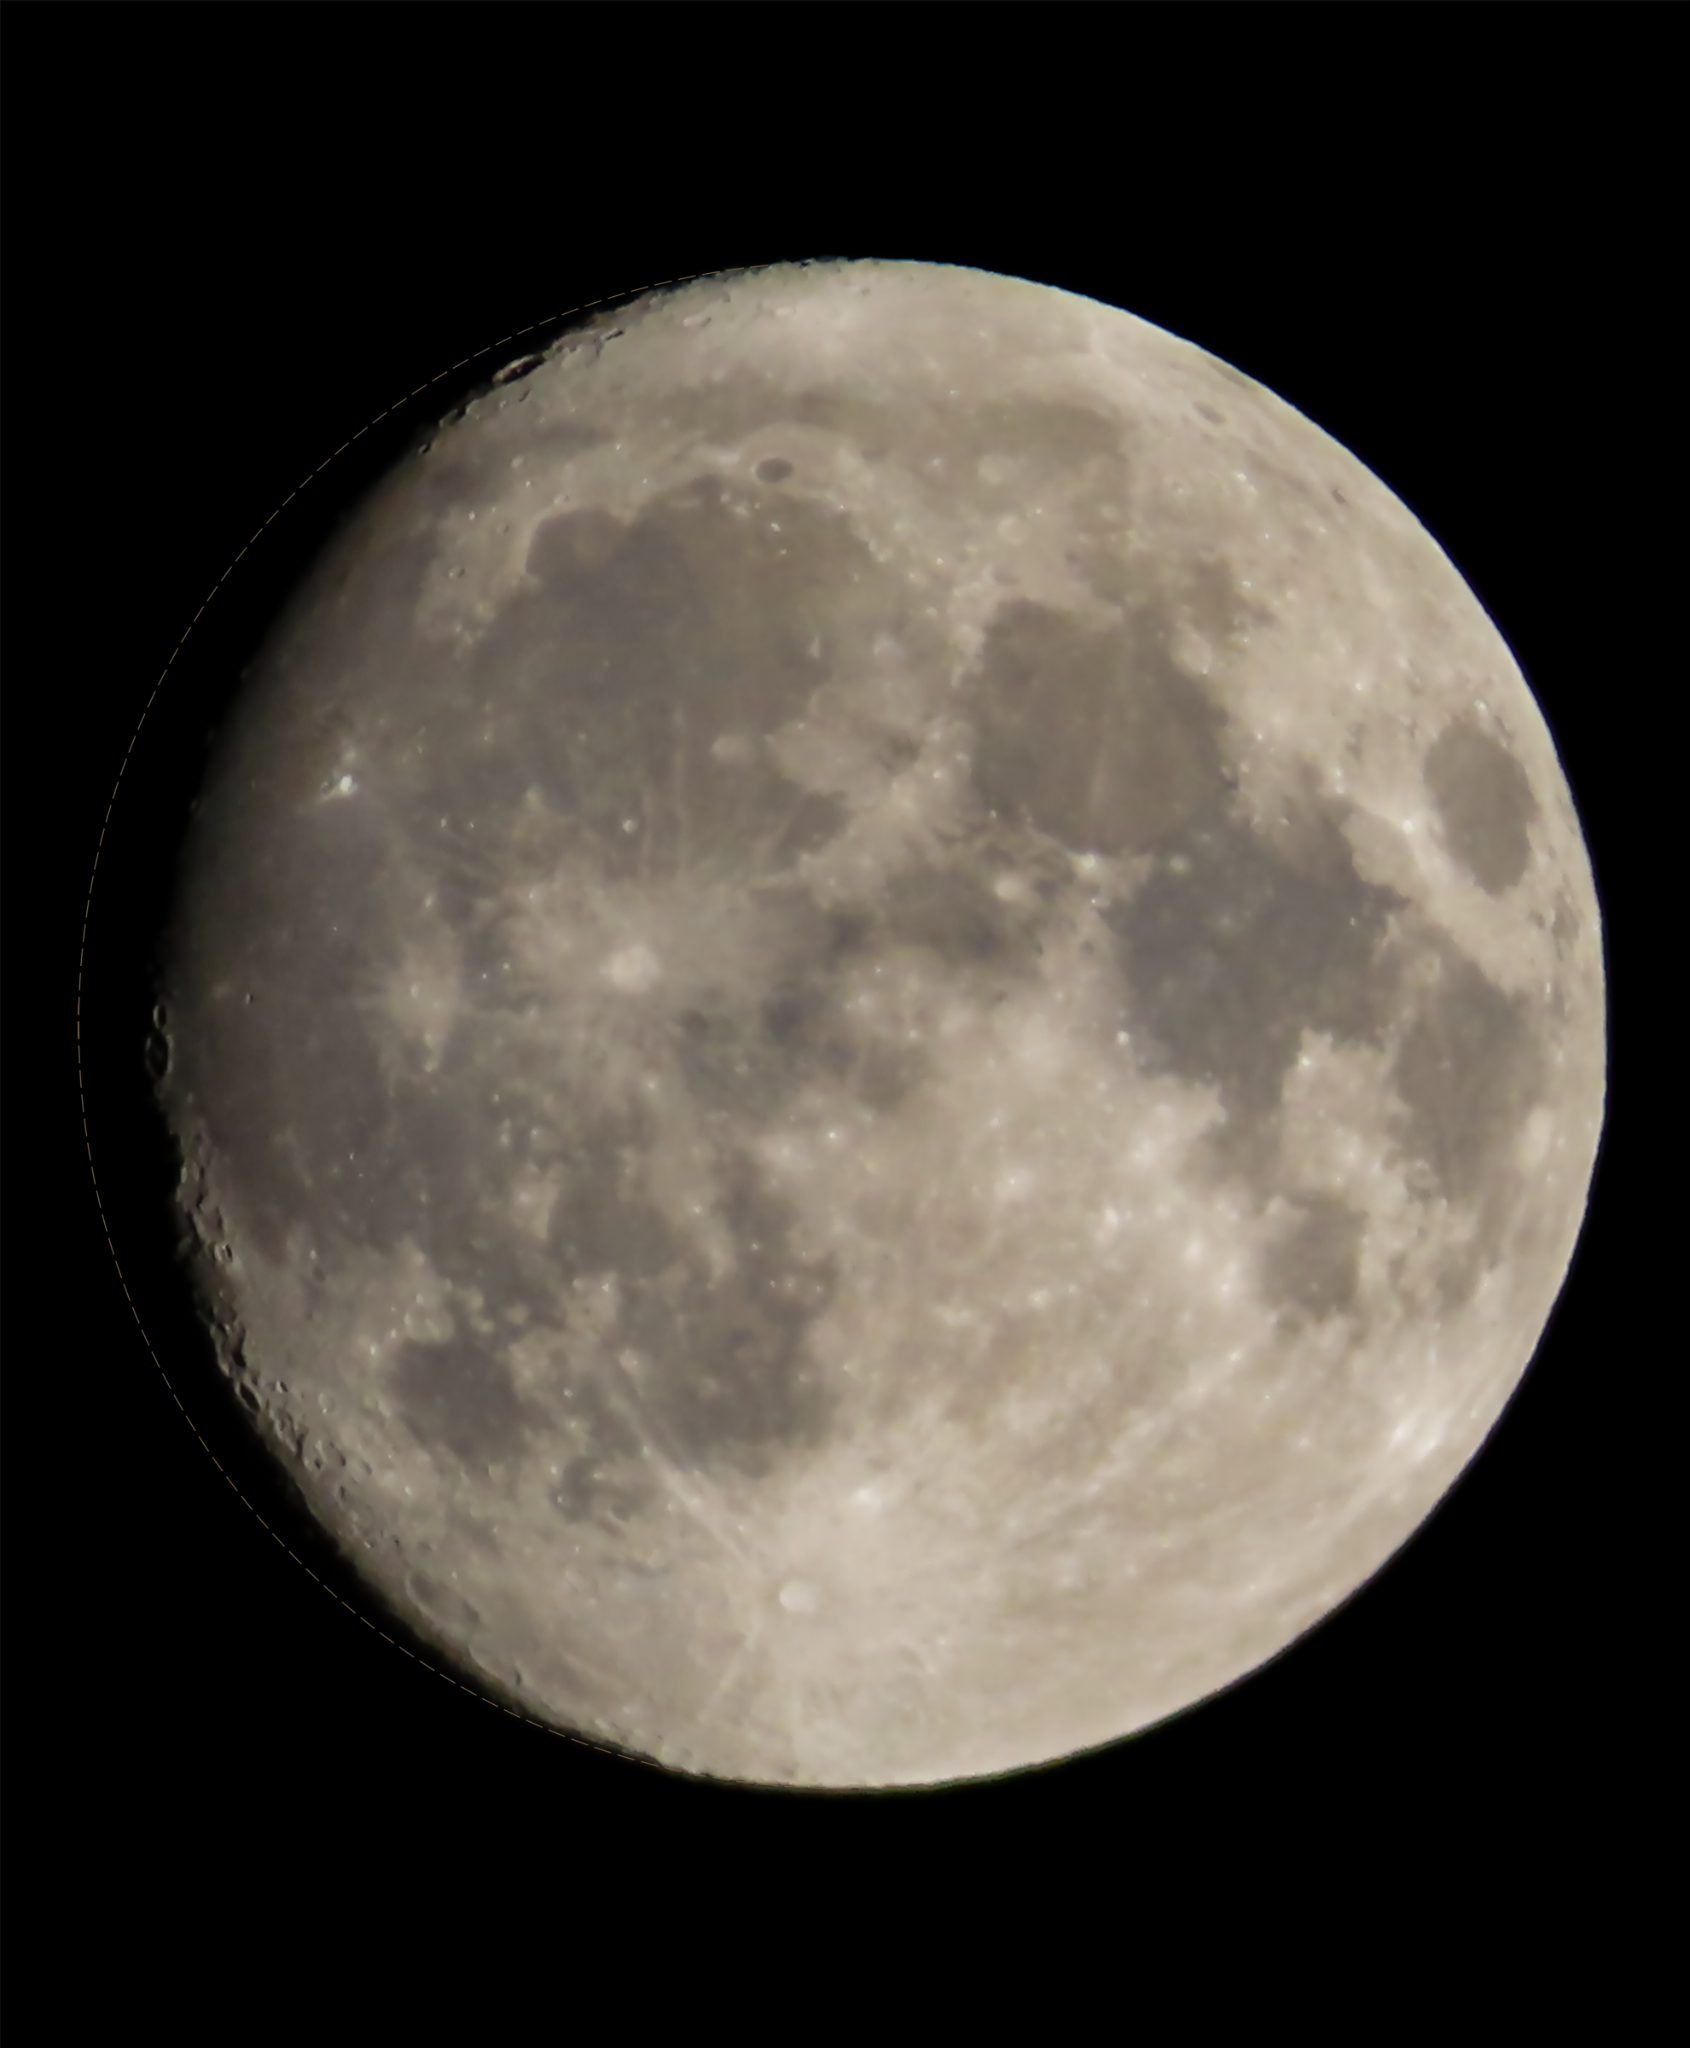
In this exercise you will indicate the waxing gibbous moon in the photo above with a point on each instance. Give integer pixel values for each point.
(886, 1025)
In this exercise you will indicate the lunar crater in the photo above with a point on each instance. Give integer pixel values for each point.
(883, 1056)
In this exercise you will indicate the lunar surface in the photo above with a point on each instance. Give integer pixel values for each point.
(886, 1024)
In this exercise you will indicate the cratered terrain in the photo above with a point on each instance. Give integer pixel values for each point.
(886, 1023)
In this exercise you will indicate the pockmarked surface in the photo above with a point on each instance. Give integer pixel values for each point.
(887, 1026)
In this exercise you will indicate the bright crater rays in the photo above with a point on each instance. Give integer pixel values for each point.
(896, 1013)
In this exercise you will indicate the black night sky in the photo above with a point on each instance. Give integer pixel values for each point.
(205, 303)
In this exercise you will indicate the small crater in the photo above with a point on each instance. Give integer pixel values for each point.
(520, 368)
(156, 1055)
(634, 970)
(774, 471)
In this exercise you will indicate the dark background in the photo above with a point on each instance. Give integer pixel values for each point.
(212, 286)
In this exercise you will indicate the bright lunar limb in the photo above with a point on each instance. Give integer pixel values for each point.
(887, 1028)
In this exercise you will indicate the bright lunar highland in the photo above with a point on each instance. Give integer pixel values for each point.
(886, 1021)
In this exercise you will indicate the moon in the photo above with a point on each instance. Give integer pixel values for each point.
(886, 1028)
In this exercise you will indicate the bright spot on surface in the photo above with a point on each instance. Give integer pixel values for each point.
(798, 1596)
(633, 970)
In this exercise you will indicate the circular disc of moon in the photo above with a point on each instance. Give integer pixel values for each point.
(886, 1028)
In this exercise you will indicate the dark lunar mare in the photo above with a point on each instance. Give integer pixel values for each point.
(1485, 803)
(1313, 1269)
(1229, 952)
(1470, 1069)
(603, 688)
(643, 644)
(1094, 736)
(1235, 944)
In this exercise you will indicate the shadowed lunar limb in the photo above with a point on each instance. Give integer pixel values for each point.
(886, 1025)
